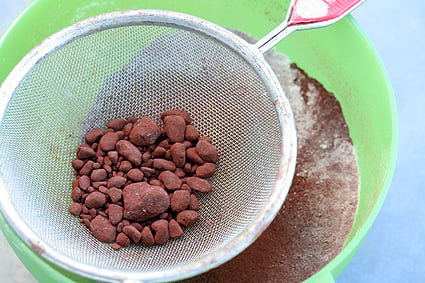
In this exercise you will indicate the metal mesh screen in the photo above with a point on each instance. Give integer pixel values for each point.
(139, 71)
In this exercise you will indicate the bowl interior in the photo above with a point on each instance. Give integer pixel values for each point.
(340, 57)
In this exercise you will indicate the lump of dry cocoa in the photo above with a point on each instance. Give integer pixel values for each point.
(192, 133)
(207, 151)
(179, 200)
(178, 154)
(136, 175)
(123, 240)
(93, 136)
(125, 166)
(193, 156)
(95, 200)
(75, 209)
(162, 164)
(187, 217)
(77, 164)
(84, 182)
(158, 152)
(113, 158)
(116, 182)
(115, 213)
(134, 183)
(76, 194)
(175, 128)
(129, 151)
(132, 233)
(147, 237)
(85, 152)
(193, 203)
(116, 124)
(143, 201)
(147, 172)
(102, 229)
(170, 180)
(108, 141)
(199, 184)
(127, 129)
(98, 175)
(178, 112)
(87, 168)
(145, 132)
(206, 170)
(114, 194)
(174, 228)
(161, 231)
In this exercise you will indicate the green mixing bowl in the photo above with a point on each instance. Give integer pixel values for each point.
(340, 57)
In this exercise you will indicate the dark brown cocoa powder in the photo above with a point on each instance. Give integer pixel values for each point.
(318, 213)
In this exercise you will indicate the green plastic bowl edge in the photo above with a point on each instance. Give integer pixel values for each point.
(337, 265)
(43, 270)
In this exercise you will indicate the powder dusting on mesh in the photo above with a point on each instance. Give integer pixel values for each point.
(319, 211)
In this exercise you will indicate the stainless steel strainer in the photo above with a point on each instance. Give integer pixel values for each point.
(141, 63)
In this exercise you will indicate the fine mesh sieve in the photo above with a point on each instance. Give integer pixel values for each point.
(141, 63)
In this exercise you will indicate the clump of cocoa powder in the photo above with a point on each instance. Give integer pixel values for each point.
(135, 181)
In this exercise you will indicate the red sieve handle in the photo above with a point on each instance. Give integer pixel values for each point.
(311, 11)
(307, 14)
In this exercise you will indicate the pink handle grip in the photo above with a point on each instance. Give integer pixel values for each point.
(311, 11)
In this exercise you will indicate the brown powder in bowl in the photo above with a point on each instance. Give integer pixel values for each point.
(319, 211)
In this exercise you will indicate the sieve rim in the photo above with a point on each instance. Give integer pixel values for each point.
(168, 18)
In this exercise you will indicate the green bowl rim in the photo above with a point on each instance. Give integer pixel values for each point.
(343, 258)
(335, 265)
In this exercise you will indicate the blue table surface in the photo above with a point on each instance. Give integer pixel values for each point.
(394, 249)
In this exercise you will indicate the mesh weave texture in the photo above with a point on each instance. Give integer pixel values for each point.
(139, 71)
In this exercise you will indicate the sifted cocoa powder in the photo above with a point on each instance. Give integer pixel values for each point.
(318, 213)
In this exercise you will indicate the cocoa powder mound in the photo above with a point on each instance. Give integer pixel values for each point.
(319, 211)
